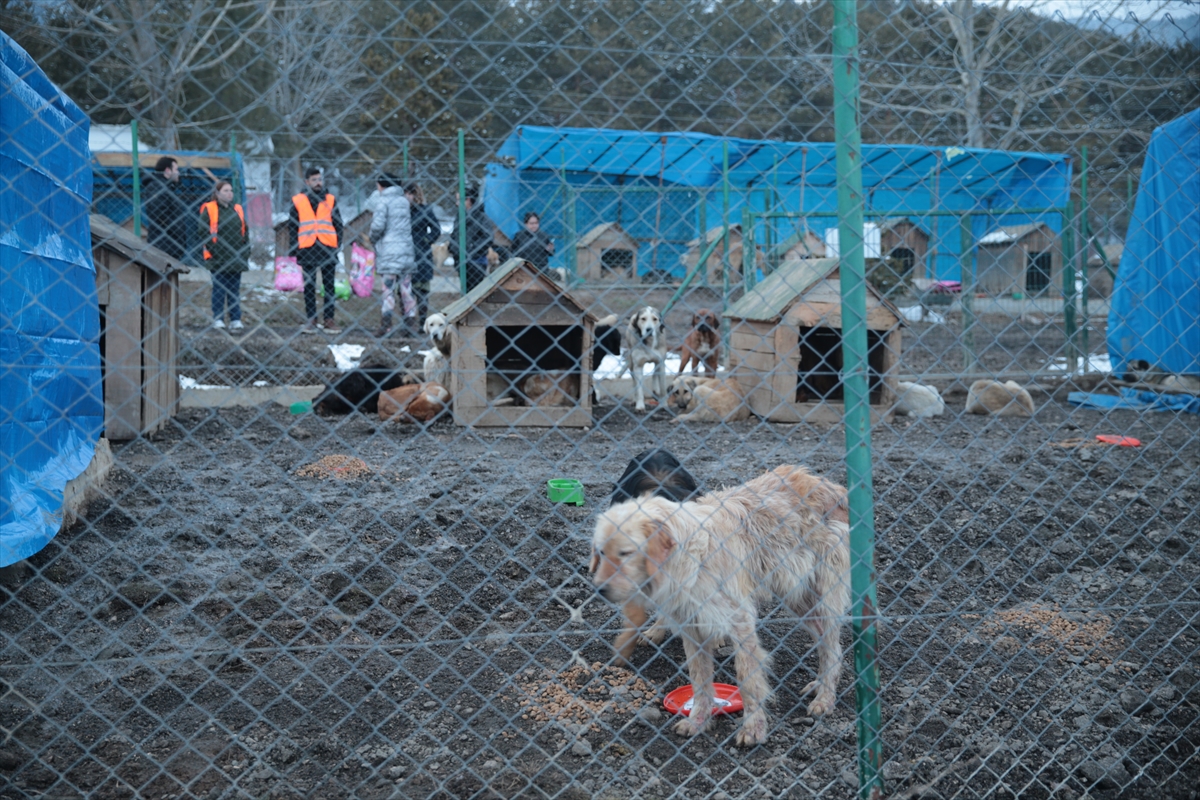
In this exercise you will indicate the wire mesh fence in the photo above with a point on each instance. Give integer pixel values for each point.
(324, 558)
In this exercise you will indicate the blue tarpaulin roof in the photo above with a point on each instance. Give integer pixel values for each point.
(534, 162)
(53, 412)
(1155, 312)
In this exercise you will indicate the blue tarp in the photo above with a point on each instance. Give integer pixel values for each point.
(1155, 312)
(534, 162)
(1133, 398)
(52, 411)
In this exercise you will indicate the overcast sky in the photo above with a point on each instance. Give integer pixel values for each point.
(1142, 9)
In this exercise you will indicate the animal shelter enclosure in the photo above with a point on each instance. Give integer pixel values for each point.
(277, 596)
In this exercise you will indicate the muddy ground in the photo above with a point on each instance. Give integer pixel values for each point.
(221, 626)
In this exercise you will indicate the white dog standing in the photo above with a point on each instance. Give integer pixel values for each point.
(647, 345)
(437, 361)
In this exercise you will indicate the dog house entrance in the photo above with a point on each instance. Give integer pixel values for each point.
(517, 351)
(1037, 271)
(820, 374)
(616, 260)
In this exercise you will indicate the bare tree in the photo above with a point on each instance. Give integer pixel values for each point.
(165, 45)
(1004, 69)
(316, 69)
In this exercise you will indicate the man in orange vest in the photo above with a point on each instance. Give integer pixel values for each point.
(315, 230)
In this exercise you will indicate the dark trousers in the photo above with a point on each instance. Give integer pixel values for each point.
(477, 270)
(328, 270)
(226, 291)
(421, 293)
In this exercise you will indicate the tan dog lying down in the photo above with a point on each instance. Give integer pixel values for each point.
(418, 402)
(708, 399)
(704, 565)
(1002, 399)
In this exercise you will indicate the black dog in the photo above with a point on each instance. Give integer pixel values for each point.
(655, 472)
(608, 342)
(358, 390)
(651, 472)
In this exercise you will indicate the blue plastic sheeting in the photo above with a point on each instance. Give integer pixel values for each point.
(53, 411)
(1155, 312)
(535, 162)
(1132, 398)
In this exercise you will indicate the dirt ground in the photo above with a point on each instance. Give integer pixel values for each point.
(243, 619)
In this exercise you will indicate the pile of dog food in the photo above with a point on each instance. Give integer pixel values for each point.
(1047, 629)
(580, 695)
(337, 466)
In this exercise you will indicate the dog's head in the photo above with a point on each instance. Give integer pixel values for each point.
(705, 320)
(630, 546)
(681, 394)
(435, 326)
(645, 324)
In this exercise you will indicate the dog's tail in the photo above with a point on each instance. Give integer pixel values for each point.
(825, 496)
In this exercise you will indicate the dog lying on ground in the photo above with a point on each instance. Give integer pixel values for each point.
(647, 345)
(358, 389)
(708, 400)
(705, 564)
(421, 402)
(437, 361)
(918, 400)
(1002, 399)
(551, 388)
(702, 345)
(651, 473)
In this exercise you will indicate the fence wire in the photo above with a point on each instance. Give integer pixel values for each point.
(287, 582)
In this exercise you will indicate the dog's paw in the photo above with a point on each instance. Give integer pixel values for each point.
(822, 704)
(690, 726)
(753, 731)
(655, 634)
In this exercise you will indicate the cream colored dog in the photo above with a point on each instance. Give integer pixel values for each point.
(1002, 399)
(704, 565)
(646, 336)
(708, 399)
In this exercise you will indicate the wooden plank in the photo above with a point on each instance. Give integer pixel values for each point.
(759, 362)
(173, 347)
(787, 343)
(489, 315)
(149, 159)
(752, 342)
(523, 417)
(100, 257)
(123, 353)
(813, 315)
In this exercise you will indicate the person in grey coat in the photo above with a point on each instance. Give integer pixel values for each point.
(391, 233)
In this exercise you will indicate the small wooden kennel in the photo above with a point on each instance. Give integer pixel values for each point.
(517, 323)
(138, 288)
(786, 345)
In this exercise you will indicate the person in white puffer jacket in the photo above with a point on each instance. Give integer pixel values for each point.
(391, 233)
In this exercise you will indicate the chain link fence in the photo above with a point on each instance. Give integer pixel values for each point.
(289, 584)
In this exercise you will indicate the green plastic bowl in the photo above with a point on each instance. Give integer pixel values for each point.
(301, 408)
(565, 490)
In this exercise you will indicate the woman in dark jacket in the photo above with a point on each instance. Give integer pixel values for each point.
(426, 229)
(226, 253)
(532, 244)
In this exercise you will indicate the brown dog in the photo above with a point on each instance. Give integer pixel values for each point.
(706, 564)
(702, 345)
(418, 402)
(553, 388)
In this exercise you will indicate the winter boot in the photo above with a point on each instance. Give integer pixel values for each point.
(385, 327)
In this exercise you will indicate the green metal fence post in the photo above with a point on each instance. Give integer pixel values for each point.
(462, 211)
(237, 180)
(855, 387)
(725, 249)
(1084, 344)
(1068, 284)
(966, 263)
(748, 259)
(703, 231)
(137, 181)
(405, 161)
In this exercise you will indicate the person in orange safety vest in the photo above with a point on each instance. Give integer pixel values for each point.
(226, 253)
(315, 231)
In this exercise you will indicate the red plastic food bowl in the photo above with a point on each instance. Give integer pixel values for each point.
(728, 700)
(1122, 441)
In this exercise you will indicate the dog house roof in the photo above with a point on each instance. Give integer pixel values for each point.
(594, 234)
(109, 234)
(1013, 233)
(459, 308)
(771, 299)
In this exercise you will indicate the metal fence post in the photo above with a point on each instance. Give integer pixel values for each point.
(855, 385)
(137, 181)
(967, 301)
(748, 259)
(1084, 347)
(462, 212)
(1068, 283)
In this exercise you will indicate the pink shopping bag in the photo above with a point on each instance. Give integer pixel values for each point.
(288, 277)
(362, 270)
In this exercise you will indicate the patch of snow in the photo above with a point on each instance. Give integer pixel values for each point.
(610, 367)
(921, 314)
(346, 356)
(1097, 362)
(259, 383)
(190, 383)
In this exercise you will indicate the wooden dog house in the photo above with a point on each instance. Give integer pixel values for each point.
(712, 269)
(606, 253)
(800, 245)
(786, 344)
(1020, 259)
(138, 289)
(906, 243)
(518, 322)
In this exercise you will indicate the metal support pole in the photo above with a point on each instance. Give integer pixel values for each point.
(725, 262)
(749, 262)
(137, 182)
(966, 263)
(687, 280)
(570, 239)
(405, 173)
(1084, 344)
(855, 391)
(237, 178)
(1068, 279)
(462, 211)
(703, 232)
